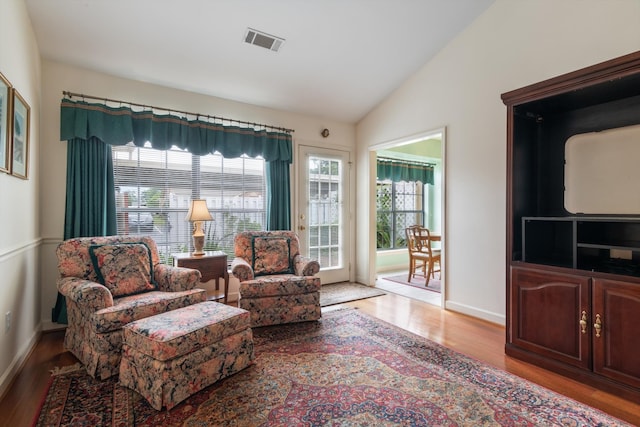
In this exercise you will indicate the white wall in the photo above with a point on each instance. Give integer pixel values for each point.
(513, 44)
(57, 77)
(19, 233)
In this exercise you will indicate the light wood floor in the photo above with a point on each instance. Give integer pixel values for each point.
(481, 340)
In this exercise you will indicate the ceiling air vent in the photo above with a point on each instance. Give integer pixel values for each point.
(264, 40)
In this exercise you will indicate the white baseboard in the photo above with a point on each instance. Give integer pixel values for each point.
(363, 280)
(392, 268)
(16, 364)
(497, 318)
(48, 325)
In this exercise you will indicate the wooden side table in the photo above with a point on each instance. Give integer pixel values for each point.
(212, 265)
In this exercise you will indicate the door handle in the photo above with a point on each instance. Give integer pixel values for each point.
(302, 228)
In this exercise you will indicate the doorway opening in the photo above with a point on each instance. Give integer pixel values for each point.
(402, 201)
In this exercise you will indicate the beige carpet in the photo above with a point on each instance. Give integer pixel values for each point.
(338, 293)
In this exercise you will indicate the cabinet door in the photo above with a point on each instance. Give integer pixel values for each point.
(616, 347)
(546, 313)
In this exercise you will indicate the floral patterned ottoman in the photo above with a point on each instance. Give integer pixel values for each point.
(170, 356)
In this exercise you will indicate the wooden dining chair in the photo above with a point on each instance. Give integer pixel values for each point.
(422, 256)
(418, 260)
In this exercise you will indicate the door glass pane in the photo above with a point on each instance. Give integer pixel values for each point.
(325, 210)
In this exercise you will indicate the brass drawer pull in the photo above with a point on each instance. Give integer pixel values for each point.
(598, 325)
(583, 322)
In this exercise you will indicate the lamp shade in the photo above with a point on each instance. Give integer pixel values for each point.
(198, 211)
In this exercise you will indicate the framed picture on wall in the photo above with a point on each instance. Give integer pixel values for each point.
(5, 128)
(20, 136)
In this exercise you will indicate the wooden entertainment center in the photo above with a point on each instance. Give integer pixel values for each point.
(573, 278)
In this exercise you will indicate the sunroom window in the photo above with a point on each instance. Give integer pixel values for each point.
(398, 205)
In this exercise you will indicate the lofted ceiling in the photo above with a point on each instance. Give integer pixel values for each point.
(340, 58)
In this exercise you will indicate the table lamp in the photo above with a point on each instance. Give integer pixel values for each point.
(198, 213)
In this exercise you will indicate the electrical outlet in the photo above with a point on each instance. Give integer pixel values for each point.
(7, 322)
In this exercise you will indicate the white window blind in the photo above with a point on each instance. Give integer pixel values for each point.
(154, 189)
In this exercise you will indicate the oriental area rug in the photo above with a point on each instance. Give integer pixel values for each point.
(348, 369)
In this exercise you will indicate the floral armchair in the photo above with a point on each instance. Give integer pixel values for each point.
(277, 284)
(109, 282)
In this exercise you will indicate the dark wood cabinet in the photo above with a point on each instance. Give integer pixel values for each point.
(581, 322)
(573, 278)
(546, 311)
(616, 344)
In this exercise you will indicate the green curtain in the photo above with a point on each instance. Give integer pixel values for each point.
(90, 208)
(119, 126)
(402, 170)
(278, 200)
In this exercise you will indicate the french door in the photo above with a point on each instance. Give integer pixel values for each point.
(323, 210)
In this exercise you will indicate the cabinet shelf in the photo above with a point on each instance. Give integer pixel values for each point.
(604, 244)
(612, 265)
(629, 246)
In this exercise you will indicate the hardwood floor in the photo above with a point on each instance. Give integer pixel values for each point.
(22, 399)
(481, 340)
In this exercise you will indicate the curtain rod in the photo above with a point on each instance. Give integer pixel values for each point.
(99, 98)
(408, 162)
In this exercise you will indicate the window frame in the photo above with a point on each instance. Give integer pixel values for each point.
(397, 237)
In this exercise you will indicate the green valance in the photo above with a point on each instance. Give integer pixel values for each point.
(402, 170)
(121, 125)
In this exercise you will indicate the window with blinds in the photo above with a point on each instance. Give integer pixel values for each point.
(154, 189)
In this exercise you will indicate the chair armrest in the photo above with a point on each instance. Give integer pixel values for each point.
(304, 266)
(176, 279)
(90, 296)
(241, 269)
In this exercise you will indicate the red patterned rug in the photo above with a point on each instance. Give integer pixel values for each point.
(348, 369)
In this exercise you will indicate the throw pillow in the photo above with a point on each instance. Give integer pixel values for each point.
(271, 255)
(124, 268)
